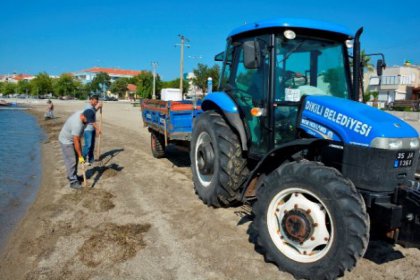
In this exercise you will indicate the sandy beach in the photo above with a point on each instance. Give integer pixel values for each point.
(140, 218)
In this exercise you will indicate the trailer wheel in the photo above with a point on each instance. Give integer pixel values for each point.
(218, 166)
(157, 145)
(310, 221)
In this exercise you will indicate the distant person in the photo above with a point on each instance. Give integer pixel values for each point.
(70, 143)
(50, 110)
(91, 130)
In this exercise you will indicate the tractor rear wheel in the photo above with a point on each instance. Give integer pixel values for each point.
(310, 221)
(218, 167)
(157, 144)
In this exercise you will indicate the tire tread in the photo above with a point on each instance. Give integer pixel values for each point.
(353, 211)
(157, 145)
(233, 165)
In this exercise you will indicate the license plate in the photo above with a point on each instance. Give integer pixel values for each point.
(404, 159)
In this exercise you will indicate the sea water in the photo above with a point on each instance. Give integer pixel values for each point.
(20, 167)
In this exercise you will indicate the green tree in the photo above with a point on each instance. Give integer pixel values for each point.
(366, 66)
(202, 73)
(24, 86)
(175, 84)
(100, 83)
(158, 85)
(9, 88)
(366, 96)
(375, 95)
(144, 83)
(66, 84)
(365, 60)
(1, 87)
(171, 84)
(82, 90)
(119, 87)
(42, 84)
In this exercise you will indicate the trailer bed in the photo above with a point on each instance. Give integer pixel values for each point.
(172, 119)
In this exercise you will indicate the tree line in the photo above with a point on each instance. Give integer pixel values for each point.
(68, 85)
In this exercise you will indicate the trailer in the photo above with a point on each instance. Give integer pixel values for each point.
(169, 122)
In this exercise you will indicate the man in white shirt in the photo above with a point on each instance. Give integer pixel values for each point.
(69, 139)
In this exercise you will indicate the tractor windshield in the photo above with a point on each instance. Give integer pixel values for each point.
(310, 66)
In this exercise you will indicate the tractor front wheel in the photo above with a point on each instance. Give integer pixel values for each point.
(310, 221)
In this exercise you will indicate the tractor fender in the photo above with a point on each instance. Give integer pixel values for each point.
(224, 104)
(279, 155)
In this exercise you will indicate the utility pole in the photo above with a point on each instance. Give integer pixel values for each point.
(154, 67)
(181, 64)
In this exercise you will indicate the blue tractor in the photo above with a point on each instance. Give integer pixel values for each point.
(286, 133)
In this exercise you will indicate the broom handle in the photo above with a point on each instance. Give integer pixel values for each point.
(84, 175)
(98, 150)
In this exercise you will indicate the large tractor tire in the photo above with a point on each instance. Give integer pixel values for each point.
(310, 221)
(157, 144)
(218, 167)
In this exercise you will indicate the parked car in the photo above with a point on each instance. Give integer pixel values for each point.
(66, 97)
(110, 98)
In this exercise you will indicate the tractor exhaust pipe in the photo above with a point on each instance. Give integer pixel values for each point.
(356, 65)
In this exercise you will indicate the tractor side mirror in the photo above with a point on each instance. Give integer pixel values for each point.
(380, 65)
(220, 56)
(252, 54)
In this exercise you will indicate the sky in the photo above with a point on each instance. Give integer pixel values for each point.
(68, 36)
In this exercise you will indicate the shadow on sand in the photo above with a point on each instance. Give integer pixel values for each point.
(104, 169)
(178, 157)
(381, 251)
(110, 154)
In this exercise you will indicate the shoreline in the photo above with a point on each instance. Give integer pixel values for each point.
(24, 194)
(28, 223)
(66, 233)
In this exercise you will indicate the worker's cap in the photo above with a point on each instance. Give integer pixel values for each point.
(89, 115)
(94, 96)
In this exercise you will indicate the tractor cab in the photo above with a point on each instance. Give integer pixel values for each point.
(267, 71)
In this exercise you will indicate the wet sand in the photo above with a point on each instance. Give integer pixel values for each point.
(140, 219)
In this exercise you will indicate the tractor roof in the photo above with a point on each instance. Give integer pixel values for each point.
(292, 22)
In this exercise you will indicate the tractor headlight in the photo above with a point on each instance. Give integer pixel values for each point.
(414, 143)
(395, 143)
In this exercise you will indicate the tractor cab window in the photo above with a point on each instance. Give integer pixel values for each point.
(305, 66)
(249, 87)
(227, 57)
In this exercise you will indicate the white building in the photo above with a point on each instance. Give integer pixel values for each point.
(15, 78)
(193, 91)
(397, 83)
(87, 75)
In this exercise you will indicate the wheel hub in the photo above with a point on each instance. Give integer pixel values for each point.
(300, 225)
(205, 159)
(297, 225)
